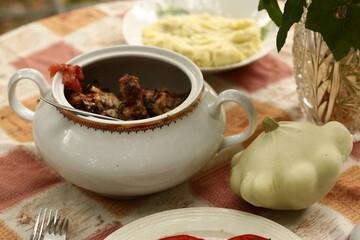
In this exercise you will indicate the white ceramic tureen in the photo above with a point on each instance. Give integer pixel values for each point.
(138, 157)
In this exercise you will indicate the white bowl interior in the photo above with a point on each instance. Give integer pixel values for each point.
(152, 73)
(155, 68)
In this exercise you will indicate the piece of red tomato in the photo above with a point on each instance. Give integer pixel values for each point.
(241, 237)
(248, 237)
(72, 75)
(181, 237)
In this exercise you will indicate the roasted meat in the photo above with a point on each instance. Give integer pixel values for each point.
(97, 101)
(133, 102)
(161, 101)
(131, 95)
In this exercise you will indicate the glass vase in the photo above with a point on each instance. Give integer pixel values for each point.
(328, 90)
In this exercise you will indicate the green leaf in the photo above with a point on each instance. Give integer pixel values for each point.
(292, 14)
(273, 9)
(352, 25)
(339, 33)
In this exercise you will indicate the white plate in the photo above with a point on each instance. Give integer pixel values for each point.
(144, 13)
(203, 222)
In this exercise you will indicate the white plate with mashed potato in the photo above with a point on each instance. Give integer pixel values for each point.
(217, 35)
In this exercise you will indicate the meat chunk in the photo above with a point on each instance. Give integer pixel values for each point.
(131, 95)
(161, 101)
(87, 102)
(108, 99)
(130, 89)
(97, 101)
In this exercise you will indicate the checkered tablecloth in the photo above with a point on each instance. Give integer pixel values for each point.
(26, 184)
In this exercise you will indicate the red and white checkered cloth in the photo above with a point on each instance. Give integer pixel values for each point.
(26, 184)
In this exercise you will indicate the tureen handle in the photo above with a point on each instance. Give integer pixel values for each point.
(15, 104)
(248, 106)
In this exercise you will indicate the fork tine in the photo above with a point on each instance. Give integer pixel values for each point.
(49, 218)
(49, 222)
(56, 227)
(33, 234)
(42, 224)
(51, 227)
(56, 221)
(35, 231)
(59, 230)
(66, 228)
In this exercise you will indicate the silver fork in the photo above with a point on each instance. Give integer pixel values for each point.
(56, 229)
(37, 232)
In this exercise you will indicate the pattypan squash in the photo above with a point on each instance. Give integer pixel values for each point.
(290, 165)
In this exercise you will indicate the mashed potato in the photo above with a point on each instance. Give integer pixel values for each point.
(208, 40)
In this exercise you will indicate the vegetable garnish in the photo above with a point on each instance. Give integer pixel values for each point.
(181, 237)
(240, 237)
(291, 165)
(249, 237)
(72, 75)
